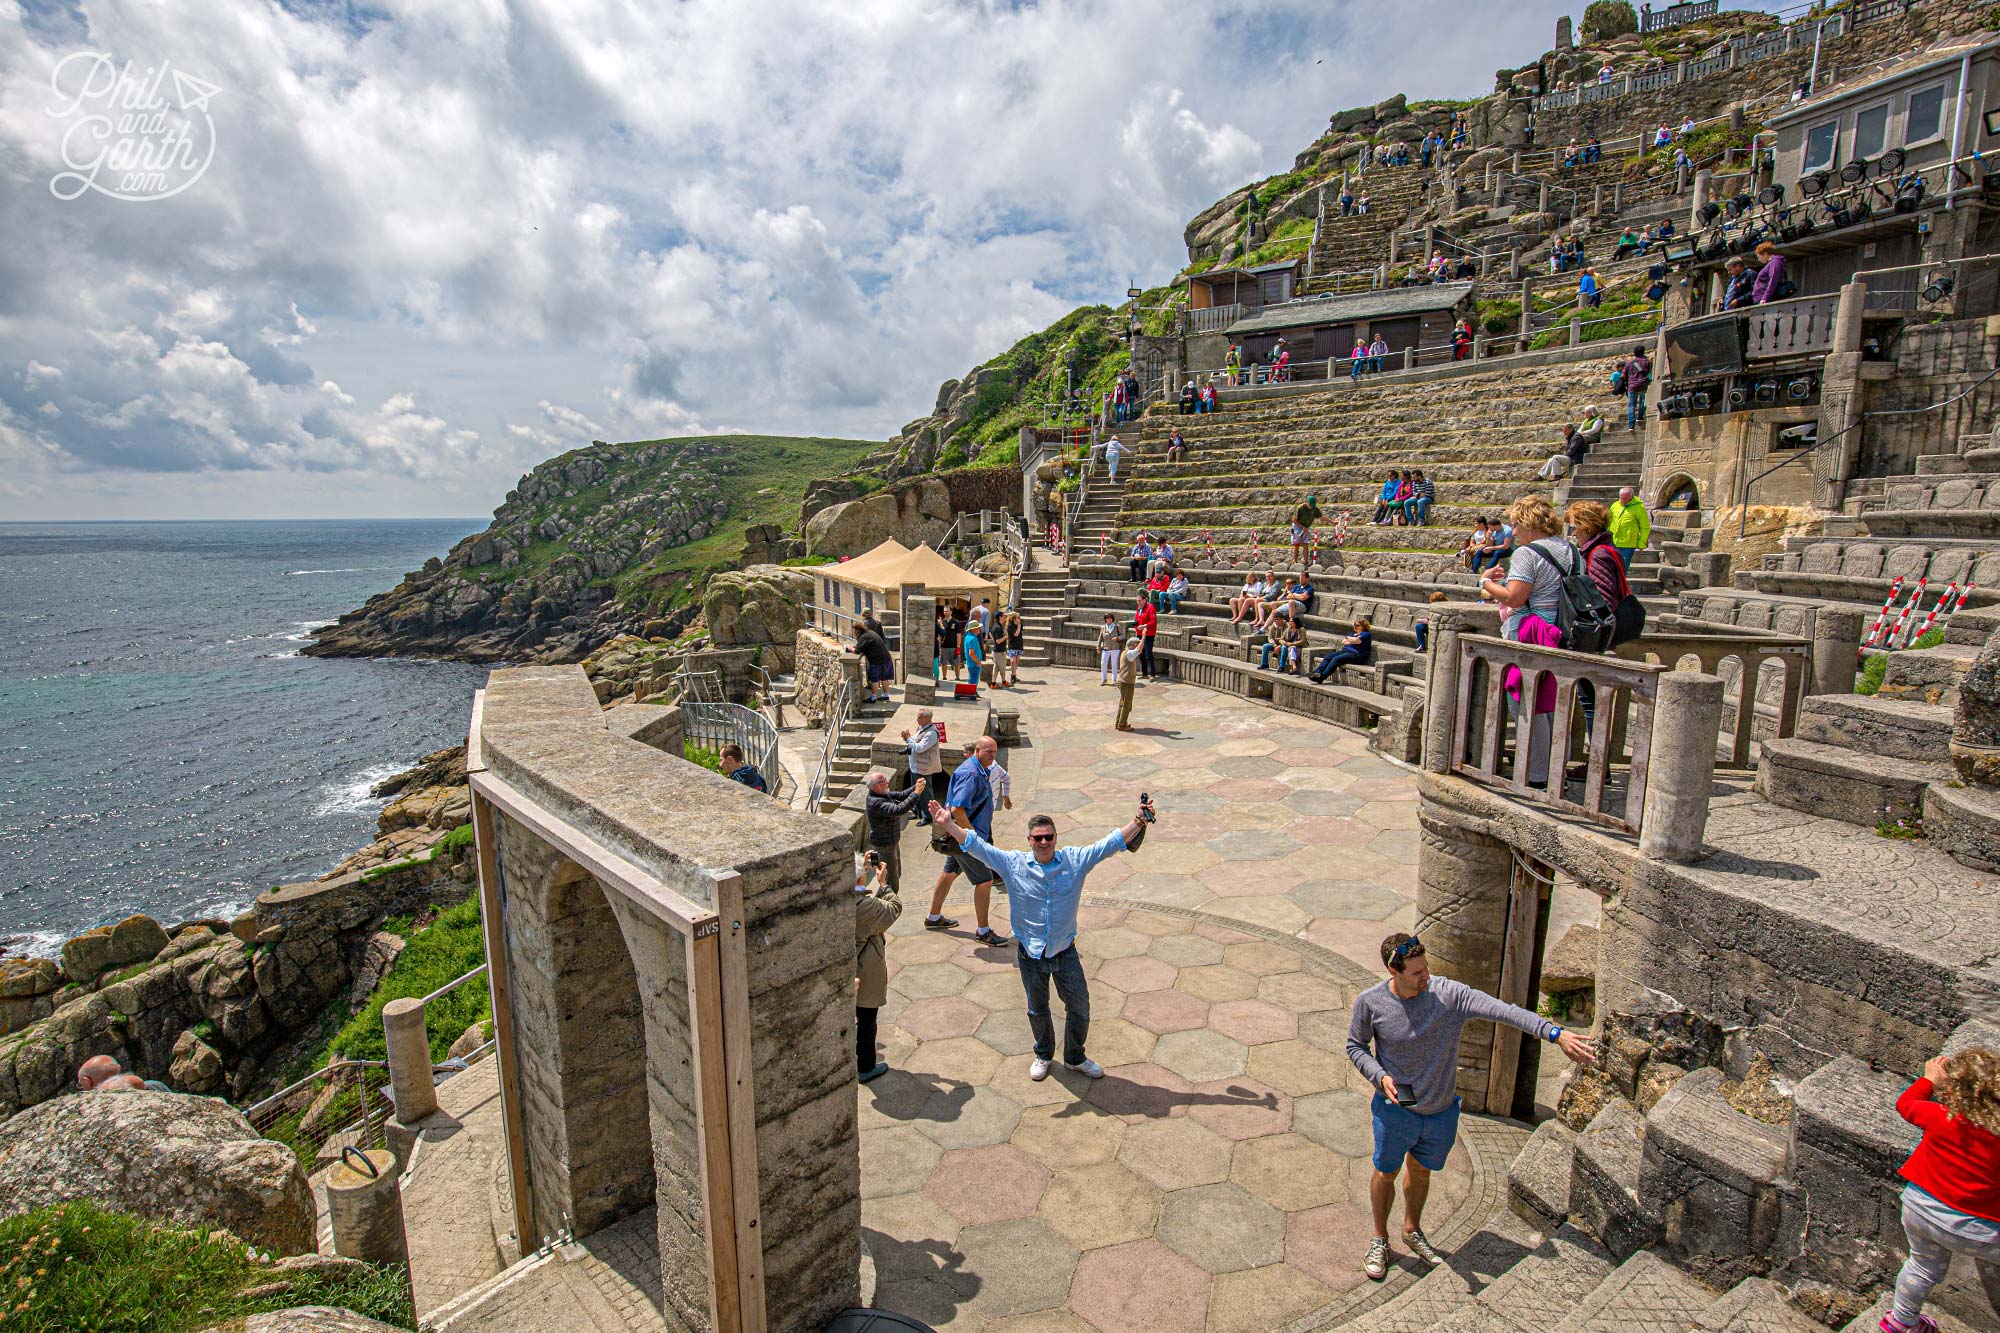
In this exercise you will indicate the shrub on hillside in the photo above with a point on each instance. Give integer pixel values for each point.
(1605, 19)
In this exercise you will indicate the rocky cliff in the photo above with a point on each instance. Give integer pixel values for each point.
(608, 540)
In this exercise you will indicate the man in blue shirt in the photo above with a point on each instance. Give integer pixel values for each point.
(970, 798)
(1044, 885)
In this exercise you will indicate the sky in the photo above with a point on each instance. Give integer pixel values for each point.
(322, 259)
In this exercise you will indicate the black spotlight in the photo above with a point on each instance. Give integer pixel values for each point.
(1799, 389)
(1855, 171)
(1709, 212)
(1738, 395)
(1940, 288)
(1890, 162)
(1699, 401)
(1861, 210)
(1811, 187)
(1739, 204)
(1805, 225)
(1743, 244)
(1767, 391)
(1909, 194)
(1771, 194)
(1989, 186)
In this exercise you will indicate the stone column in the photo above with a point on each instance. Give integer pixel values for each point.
(1840, 398)
(1704, 189)
(1576, 330)
(919, 641)
(1563, 33)
(1686, 717)
(409, 1047)
(1527, 312)
(1836, 650)
(1462, 880)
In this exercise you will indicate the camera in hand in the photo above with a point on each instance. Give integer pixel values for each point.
(1405, 1096)
(1146, 808)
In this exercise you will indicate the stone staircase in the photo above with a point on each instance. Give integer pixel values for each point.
(1041, 599)
(1358, 243)
(851, 757)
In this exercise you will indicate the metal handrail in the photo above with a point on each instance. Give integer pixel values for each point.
(453, 984)
(836, 723)
(717, 724)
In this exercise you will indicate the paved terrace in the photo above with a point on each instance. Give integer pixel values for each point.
(1217, 1178)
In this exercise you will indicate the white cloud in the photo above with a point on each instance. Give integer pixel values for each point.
(442, 240)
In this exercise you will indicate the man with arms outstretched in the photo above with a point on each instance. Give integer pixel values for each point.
(1412, 1022)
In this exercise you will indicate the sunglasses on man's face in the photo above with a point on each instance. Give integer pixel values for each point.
(1041, 837)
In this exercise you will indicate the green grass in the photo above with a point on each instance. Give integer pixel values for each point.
(808, 561)
(450, 846)
(449, 947)
(76, 1266)
(1877, 666)
(701, 754)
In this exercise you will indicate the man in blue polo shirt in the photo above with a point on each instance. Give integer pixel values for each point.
(1044, 884)
(970, 797)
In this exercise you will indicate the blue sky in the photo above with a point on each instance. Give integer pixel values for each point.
(438, 242)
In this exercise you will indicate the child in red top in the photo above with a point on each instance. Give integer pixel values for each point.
(1952, 1203)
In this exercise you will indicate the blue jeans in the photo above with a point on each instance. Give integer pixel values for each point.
(1635, 407)
(1496, 557)
(1625, 556)
(1173, 601)
(1264, 658)
(1066, 970)
(1339, 657)
(1422, 629)
(1354, 371)
(972, 672)
(1418, 510)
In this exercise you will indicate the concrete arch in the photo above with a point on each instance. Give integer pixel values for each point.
(1673, 486)
(584, 1104)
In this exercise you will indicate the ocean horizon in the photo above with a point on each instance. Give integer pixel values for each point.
(169, 750)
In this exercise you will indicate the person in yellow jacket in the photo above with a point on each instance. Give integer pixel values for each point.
(876, 908)
(1631, 526)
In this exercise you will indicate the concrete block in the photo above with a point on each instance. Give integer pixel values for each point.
(1714, 1177)
(1538, 1181)
(1755, 1305)
(1604, 1189)
(1846, 1144)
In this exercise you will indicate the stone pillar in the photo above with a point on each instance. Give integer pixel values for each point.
(1975, 725)
(1836, 650)
(1736, 117)
(1704, 189)
(1576, 330)
(409, 1046)
(1686, 718)
(1840, 397)
(1409, 357)
(1597, 201)
(1527, 312)
(1543, 205)
(919, 632)
(1441, 689)
(1563, 42)
(364, 1205)
(1462, 880)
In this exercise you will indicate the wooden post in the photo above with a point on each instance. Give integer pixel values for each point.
(493, 925)
(1517, 966)
(739, 1071)
(711, 1120)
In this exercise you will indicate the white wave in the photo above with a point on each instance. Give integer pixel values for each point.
(349, 795)
(357, 569)
(302, 630)
(35, 943)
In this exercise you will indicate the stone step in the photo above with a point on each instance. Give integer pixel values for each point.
(1843, 784)
(1870, 1320)
(1645, 1294)
(1548, 1284)
(1755, 1305)
(1964, 823)
(1872, 724)
(1604, 1187)
(1929, 674)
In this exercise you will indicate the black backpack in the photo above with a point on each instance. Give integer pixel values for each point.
(1585, 620)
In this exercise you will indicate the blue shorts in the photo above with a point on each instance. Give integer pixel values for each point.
(1401, 1132)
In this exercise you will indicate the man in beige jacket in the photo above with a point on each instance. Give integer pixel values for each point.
(876, 908)
(1128, 680)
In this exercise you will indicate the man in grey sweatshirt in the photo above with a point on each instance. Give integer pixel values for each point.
(1404, 1040)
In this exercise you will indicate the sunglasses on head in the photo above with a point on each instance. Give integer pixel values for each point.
(1403, 950)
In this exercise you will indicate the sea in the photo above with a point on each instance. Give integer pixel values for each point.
(164, 747)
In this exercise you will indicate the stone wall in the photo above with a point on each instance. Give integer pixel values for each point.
(600, 1021)
(1934, 362)
(821, 665)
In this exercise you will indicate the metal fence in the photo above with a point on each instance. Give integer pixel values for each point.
(714, 725)
(340, 1106)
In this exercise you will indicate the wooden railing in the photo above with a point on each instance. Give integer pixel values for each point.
(1622, 696)
(1802, 326)
(1749, 656)
(1675, 16)
(1215, 318)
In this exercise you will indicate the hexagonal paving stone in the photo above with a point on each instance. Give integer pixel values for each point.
(1245, 766)
(1309, 778)
(1329, 1244)
(1140, 1287)
(927, 981)
(1262, 958)
(1273, 912)
(1023, 1266)
(1164, 1011)
(1324, 804)
(1218, 983)
(1125, 768)
(1137, 974)
(1252, 791)
(1222, 1227)
(1185, 949)
(962, 1117)
(1140, 1092)
(1113, 1041)
(1302, 992)
(1012, 1079)
(1181, 782)
(1346, 898)
(1099, 918)
(1241, 879)
(1318, 832)
(927, 947)
(1093, 1206)
(1069, 1136)
(1134, 746)
(893, 1099)
(946, 1016)
(1045, 1321)
(1252, 1022)
(1339, 1121)
(1116, 942)
(906, 1221)
(1311, 756)
(1007, 1031)
(1241, 1108)
(1398, 845)
(1258, 1299)
(997, 992)
(1162, 890)
(1299, 1068)
(1290, 1171)
(1178, 858)
(956, 1060)
(1156, 924)
(1253, 845)
(896, 1161)
(981, 1185)
(1177, 1153)
(1247, 745)
(1200, 1056)
(1059, 800)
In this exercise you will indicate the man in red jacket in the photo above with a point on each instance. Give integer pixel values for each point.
(1148, 621)
(1952, 1203)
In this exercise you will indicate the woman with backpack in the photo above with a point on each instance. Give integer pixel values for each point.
(1589, 530)
(1530, 590)
(1633, 379)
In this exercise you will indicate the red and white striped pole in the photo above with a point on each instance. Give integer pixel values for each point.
(1340, 529)
(1104, 543)
(1904, 618)
(1875, 630)
(1208, 544)
(1931, 619)
(1256, 546)
(1315, 546)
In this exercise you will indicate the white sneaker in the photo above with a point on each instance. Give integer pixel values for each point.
(1089, 1069)
(1038, 1070)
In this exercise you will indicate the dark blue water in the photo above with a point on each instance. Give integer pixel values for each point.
(163, 747)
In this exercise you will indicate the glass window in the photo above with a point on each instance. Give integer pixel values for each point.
(1871, 126)
(1926, 118)
(1820, 140)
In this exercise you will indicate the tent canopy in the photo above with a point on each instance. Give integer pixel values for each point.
(885, 570)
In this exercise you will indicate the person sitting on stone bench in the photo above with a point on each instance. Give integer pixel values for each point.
(1951, 1203)
(1564, 460)
(1357, 649)
(1176, 447)
(1422, 628)
(1254, 591)
(1289, 638)
(1177, 590)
